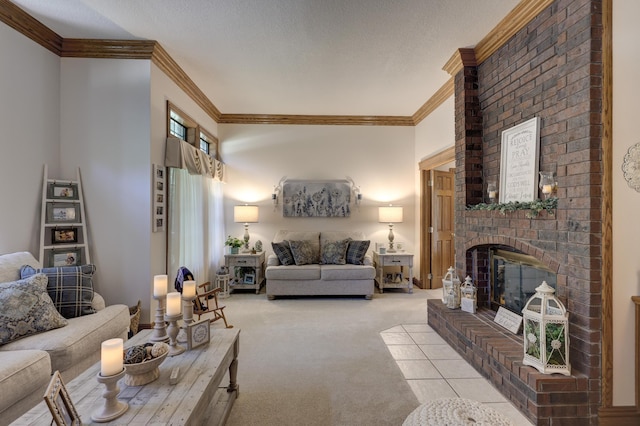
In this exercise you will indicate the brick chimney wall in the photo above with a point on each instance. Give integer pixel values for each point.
(551, 69)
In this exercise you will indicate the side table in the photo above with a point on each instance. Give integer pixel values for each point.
(246, 270)
(393, 280)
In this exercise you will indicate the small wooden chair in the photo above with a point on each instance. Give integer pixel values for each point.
(207, 301)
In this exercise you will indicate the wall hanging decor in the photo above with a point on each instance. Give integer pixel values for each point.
(159, 188)
(306, 198)
(631, 167)
(519, 156)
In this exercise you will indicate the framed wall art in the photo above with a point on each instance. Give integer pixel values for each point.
(62, 191)
(159, 190)
(64, 235)
(63, 213)
(69, 257)
(519, 159)
(60, 404)
(330, 198)
(198, 333)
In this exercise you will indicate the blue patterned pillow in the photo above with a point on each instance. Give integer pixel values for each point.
(70, 288)
(27, 309)
(334, 252)
(303, 252)
(283, 252)
(356, 251)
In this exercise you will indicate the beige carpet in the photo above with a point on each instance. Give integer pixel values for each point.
(321, 361)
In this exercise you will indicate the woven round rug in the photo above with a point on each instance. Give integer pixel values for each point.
(456, 412)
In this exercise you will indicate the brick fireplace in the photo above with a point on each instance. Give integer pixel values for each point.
(550, 69)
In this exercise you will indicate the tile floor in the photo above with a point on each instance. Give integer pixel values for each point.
(435, 370)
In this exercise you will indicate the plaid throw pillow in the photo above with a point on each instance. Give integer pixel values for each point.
(283, 252)
(356, 251)
(70, 288)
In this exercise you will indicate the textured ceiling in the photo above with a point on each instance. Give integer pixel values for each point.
(324, 57)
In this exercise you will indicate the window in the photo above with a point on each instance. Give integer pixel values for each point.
(184, 127)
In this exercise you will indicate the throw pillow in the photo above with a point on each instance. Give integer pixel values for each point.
(283, 252)
(70, 288)
(334, 252)
(356, 251)
(303, 252)
(26, 309)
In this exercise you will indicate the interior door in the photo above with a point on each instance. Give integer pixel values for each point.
(442, 222)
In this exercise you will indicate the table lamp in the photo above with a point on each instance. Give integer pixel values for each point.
(245, 214)
(390, 214)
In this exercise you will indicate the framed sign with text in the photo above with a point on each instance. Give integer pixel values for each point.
(519, 159)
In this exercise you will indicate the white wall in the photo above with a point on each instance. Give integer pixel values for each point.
(626, 201)
(433, 134)
(379, 159)
(30, 123)
(105, 130)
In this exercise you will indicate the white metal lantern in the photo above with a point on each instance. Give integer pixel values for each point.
(451, 289)
(469, 299)
(546, 332)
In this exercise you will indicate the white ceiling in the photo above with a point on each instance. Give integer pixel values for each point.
(325, 57)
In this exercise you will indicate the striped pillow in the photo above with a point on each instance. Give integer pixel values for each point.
(70, 288)
(356, 251)
(283, 252)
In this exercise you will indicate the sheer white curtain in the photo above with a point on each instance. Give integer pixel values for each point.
(196, 225)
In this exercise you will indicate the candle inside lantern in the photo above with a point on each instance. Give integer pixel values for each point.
(189, 289)
(493, 194)
(547, 189)
(173, 303)
(111, 357)
(159, 285)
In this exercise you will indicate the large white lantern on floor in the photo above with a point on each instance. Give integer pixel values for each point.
(546, 332)
(451, 289)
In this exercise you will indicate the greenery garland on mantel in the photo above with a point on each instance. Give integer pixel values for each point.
(534, 207)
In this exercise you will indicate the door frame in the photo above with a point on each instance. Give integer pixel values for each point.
(426, 194)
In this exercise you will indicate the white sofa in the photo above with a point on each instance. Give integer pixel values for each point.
(26, 364)
(319, 279)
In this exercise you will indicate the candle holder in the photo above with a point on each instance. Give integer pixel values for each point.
(112, 408)
(173, 329)
(492, 190)
(187, 317)
(547, 184)
(160, 328)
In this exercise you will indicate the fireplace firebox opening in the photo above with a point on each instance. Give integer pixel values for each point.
(514, 278)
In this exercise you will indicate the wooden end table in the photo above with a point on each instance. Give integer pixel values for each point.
(393, 259)
(196, 399)
(253, 263)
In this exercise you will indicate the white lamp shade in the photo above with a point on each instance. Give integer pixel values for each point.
(245, 214)
(390, 214)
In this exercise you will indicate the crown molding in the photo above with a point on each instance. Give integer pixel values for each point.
(438, 98)
(24, 23)
(353, 120)
(30, 27)
(170, 67)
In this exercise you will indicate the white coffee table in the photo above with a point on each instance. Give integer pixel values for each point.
(196, 399)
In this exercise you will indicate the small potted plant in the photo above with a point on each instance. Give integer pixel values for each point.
(234, 244)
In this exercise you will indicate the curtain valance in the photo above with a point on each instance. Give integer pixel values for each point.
(183, 155)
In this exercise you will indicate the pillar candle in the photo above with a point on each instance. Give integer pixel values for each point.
(173, 303)
(159, 285)
(111, 357)
(546, 189)
(189, 289)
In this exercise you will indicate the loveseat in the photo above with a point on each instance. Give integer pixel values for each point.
(328, 263)
(26, 363)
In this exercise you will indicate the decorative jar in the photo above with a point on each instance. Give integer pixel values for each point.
(547, 184)
(451, 289)
(469, 299)
(546, 332)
